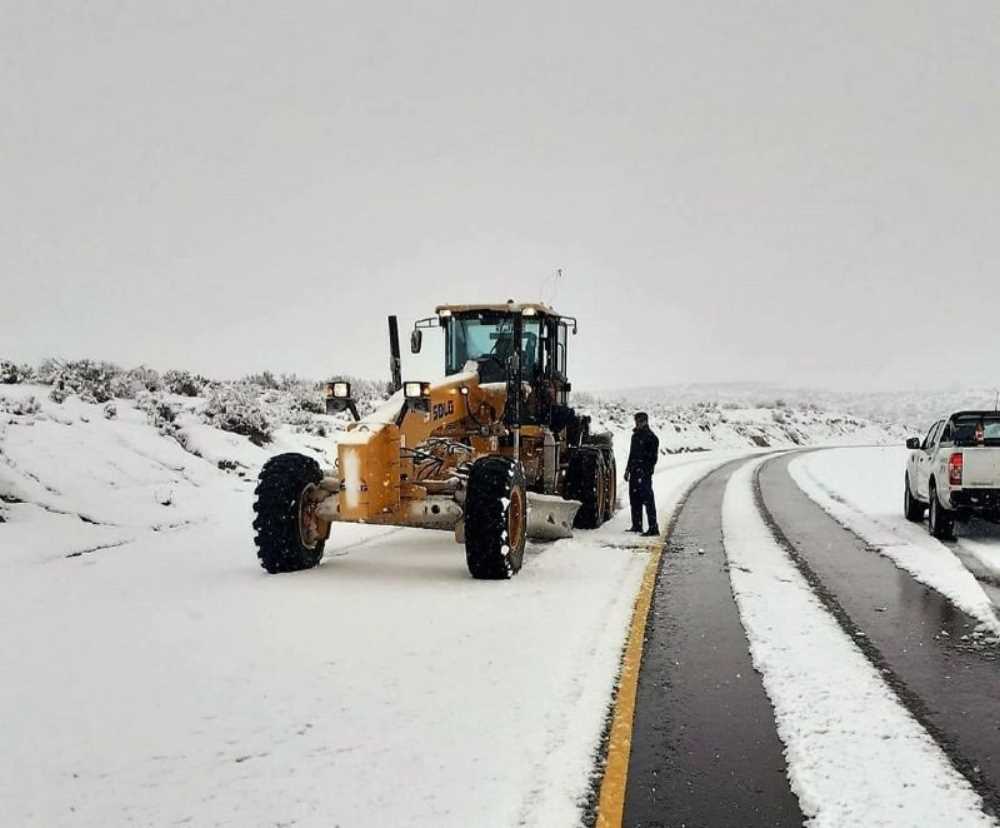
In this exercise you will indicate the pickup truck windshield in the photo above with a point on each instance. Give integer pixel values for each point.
(977, 430)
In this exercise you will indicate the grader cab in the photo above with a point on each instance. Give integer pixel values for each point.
(492, 452)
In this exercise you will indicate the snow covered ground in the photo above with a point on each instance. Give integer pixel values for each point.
(153, 674)
(862, 488)
(855, 755)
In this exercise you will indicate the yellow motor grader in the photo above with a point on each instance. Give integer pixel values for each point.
(493, 452)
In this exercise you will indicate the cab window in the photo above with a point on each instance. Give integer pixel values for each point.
(931, 436)
(561, 350)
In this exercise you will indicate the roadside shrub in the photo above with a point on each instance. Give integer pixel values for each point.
(89, 380)
(110, 411)
(12, 374)
(308, 397)
(235, 408)
(163, 417)
(184, 383)
(160, 413)
(48, 370)
(127, 385)
(20, 408)
(265, 379)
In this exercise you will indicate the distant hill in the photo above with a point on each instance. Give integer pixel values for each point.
(915, 408)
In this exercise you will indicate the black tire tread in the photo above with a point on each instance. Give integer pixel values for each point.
(912, 508)
(611, 487)
(586, 466)
(279, 487)
(492, 479)
(942, 521)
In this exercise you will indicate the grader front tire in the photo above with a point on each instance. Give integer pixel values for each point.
(287, 536)
(496, 518)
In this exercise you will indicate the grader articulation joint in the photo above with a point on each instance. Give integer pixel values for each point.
(493, 452)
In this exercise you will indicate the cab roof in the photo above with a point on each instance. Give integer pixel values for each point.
(506, 307)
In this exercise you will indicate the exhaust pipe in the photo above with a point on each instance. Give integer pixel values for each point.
(395, 361)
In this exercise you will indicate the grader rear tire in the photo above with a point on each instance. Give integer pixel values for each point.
(287, 538)
(496, 518)
(611, 500)
(586, 481)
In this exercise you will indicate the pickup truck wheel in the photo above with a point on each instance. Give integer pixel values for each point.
(912, 508)
(942, 521)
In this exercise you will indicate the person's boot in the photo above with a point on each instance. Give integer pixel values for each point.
(637, 529)
(652, 532)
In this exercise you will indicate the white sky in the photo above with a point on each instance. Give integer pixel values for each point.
(781, 191)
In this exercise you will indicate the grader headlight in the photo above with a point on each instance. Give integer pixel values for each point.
(338, 398)
(416, 390)
(418, 395)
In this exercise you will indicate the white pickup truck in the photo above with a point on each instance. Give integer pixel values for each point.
(955, 471)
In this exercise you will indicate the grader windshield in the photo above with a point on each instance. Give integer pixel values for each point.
(487, 338)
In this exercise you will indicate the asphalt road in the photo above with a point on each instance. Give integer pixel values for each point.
(704, 747)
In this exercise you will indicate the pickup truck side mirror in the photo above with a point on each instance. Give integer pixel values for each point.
(913, 443)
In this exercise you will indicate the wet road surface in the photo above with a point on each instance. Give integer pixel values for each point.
(951, 686)
(704, 748)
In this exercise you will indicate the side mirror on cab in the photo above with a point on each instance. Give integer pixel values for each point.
(913, 443)
(416, 340)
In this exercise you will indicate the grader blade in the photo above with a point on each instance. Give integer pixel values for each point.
(550, 517)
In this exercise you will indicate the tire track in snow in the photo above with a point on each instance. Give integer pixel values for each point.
(856, 755)
(928, 560)
(924, 648)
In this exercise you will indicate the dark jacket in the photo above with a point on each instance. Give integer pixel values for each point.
(644, 452)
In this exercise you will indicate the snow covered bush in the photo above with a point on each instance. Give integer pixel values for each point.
(235, 408)
(308, 397)
(127, 385)
(87, 379)
(184, 383)
(12, 374)
(20, 407)
(162, 416)
(265, 379)
(110, 411)
(159, 412)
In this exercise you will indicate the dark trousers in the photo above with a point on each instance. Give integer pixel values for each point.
(640, 493)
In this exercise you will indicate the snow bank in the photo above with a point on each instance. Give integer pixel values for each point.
(855, 755)
(154, 674)
(862, 489)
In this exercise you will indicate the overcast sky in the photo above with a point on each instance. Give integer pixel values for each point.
(777, 191)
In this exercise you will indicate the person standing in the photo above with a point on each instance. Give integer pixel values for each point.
(642, 457)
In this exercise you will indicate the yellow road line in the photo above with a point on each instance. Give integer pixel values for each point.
(611, 803)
